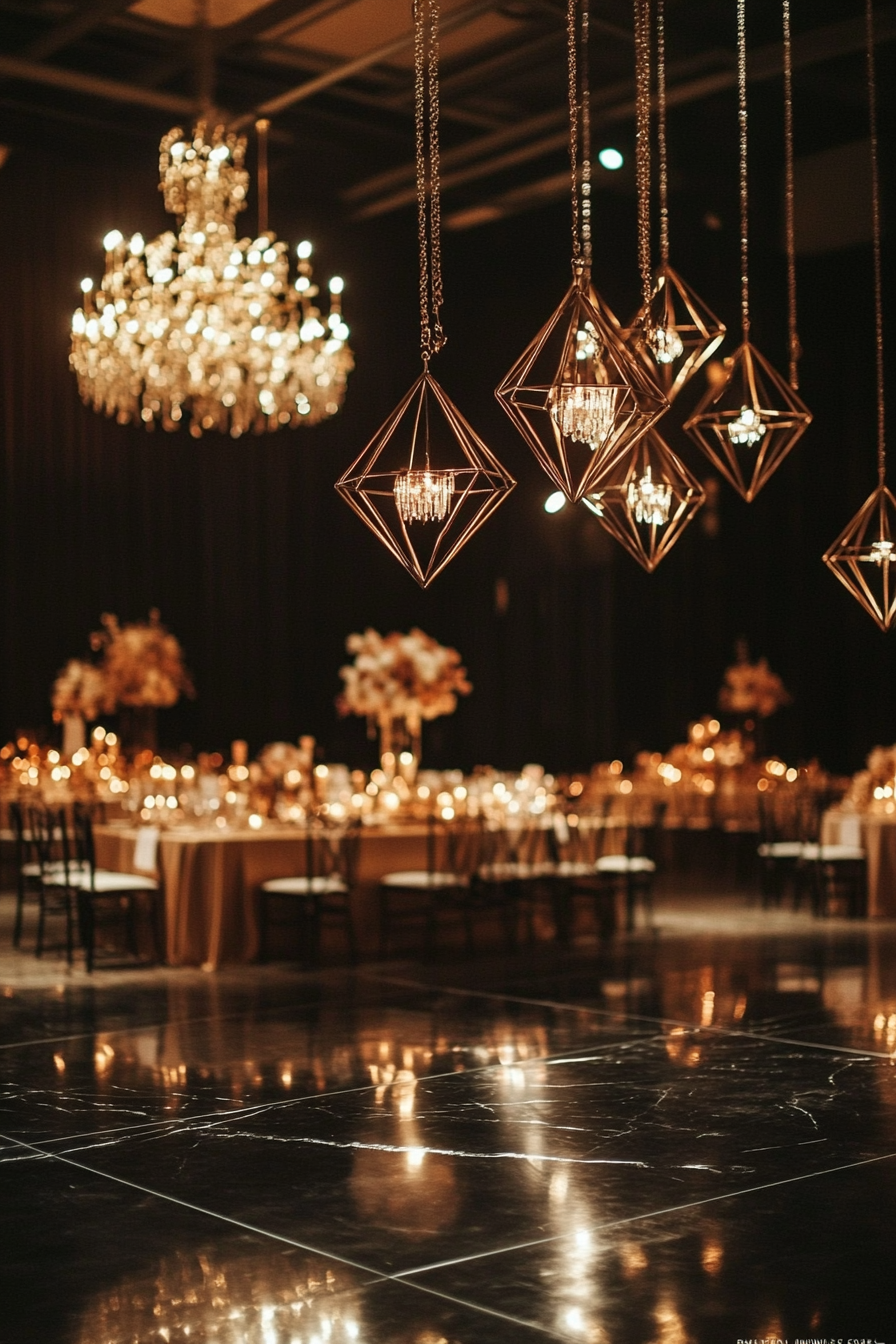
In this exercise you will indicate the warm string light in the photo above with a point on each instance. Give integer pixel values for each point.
(793, 340)
(203, 326)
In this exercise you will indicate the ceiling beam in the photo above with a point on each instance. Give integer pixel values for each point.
(809, 48)
(348, 69)
(95, 86)
(228, 36)
(612, 103)
(63, 34)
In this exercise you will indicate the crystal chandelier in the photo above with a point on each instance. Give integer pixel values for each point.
(423, 496)
(203, 326)
(649, 500)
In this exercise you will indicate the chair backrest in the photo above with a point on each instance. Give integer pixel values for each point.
(82, 826)
(50, 835)
(453, 846)
(331, 849)
(643, 821)
(25, 847)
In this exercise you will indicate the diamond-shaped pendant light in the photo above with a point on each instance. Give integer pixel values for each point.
(749, 423)
(425, 482)
(647, 500)
(864, 556)
(578, 395)
(675, 332)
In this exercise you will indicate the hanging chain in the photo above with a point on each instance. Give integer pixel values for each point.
(573, 90)
(742, 123)
(579, 110)
(585, 87)
(429, 215)
(875, 233)
(662, 150)
(793, 340)
(642, 141)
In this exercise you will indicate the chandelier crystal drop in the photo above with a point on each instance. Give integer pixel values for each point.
(747, 430)
(423, 496)
(649, 500)
(205, 327)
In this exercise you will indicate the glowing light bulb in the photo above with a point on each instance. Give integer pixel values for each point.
(111, 240)
(86, 285)
(423, 496)
(555, 502)
(136, 245)
(610, 158)
(337, 284)
(747, 430)
(666, 344)
(881, 553)
(649, 500)
(304, 250)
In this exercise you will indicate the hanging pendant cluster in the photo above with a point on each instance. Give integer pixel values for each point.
(577, 394)
(426, 482)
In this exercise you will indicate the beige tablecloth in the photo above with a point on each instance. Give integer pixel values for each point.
(210, 882)
(876, 833)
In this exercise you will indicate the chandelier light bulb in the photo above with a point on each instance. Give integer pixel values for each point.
(337, 284)
(747, 430)
(666, 344)
(86, 285)
(112, 239)
(880, 553)
(304, 250)
(423, 496)
(649, 500)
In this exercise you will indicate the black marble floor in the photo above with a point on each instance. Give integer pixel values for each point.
(687, 1135)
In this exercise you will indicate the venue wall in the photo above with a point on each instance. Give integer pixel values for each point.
(262, 571)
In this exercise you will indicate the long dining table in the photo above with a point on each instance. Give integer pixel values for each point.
(875, 832)
(210, 880)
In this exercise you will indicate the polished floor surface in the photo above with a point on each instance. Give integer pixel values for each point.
(685, 1135)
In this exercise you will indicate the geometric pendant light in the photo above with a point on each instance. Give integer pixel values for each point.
(647, 500)
(426, 481)
(749, 423)
(674, 331)
(577, 394)
(864, 555)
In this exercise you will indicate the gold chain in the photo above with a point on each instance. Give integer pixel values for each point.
(661, 145)
(579, 109)
(642, 141)
(744, 207)
(429, 215)
(793, 340)
(875, 234)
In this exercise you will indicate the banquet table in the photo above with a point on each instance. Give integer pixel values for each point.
(876, 833)
(210, 880)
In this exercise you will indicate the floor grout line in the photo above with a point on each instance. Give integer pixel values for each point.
(377, 1276)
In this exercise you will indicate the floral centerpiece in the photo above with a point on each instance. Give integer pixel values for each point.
(876, 783)
(400, 680)
(143, 667)
(752, 688)
(79, 693)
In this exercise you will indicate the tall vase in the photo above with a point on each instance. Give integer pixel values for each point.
(138, 728)
(74, 734)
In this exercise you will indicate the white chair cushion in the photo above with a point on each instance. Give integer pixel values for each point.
(303, 886)
(512, 872)
(832, 854)
(781, 849)
(620, 863)
(422, 880)
(105, 882)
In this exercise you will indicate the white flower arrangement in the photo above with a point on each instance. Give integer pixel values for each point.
(80, 690)
(396, 676)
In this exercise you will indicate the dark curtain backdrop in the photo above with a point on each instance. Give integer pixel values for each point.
(262, 571)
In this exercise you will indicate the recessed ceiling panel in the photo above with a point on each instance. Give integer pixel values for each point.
(182, 13)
